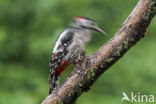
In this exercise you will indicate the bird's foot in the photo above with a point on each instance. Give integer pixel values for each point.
(81, 57)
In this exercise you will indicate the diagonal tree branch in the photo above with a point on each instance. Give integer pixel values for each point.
(86, 73)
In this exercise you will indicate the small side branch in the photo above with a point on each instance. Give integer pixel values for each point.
(86, 73)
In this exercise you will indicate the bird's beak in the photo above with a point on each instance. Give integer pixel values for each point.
(96, 28)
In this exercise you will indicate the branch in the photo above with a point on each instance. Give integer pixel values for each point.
(86, 73)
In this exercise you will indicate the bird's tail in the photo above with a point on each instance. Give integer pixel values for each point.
(53, 82)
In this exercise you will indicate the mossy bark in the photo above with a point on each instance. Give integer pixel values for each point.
(86, 73)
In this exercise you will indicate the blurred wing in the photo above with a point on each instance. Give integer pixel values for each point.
(58, 62)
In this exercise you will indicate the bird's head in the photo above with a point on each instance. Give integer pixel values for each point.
(87, 23)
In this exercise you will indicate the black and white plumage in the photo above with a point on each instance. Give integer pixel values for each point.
(69, 46)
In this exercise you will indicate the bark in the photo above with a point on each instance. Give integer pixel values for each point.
(86, 73)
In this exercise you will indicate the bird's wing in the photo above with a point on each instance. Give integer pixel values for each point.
(58, 62)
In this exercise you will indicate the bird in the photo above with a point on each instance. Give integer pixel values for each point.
(69, 47)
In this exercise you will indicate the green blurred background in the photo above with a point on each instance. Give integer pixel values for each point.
(28, 30)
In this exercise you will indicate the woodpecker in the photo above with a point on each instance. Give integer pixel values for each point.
(69, 46)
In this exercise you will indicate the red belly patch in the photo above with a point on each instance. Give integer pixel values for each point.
(61, 67)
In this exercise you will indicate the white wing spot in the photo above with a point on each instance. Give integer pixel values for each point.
(56, 57)
(55, 66)
(59, 60)
(65, 44)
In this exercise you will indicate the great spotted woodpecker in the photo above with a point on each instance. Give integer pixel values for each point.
(69, 46)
